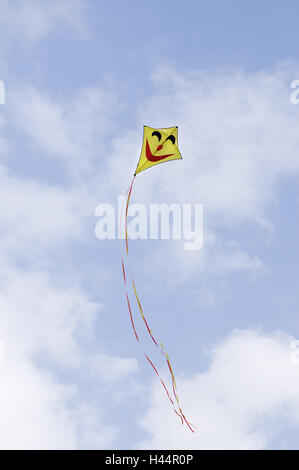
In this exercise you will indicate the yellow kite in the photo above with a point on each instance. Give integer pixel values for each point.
(159, 146)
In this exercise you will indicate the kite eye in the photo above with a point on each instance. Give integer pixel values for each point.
(171, 138)
(157, 134)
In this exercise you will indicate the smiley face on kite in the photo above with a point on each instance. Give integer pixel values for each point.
(159, 145)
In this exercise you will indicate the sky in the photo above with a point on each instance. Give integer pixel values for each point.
(81, 79)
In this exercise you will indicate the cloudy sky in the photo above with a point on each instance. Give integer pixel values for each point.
(81, 79)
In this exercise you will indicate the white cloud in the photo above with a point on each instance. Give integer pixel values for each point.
(71, 130)
(37, 214)
(48, 328)
(30, 399)
(41, 318)
(250, 378)
(238, 134)
(47, 323)
(4, 144)
(111, 369)
(36, 412)
(216, 258)
(40, 322)
(32, 20)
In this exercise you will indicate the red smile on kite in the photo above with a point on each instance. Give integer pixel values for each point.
(153, 158)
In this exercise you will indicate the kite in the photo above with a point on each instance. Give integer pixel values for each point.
(159, 146)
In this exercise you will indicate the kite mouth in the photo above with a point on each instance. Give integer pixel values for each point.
(155, 158)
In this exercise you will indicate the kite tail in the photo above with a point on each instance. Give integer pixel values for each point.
(121, 213)
(181, 418)
(137, 338)
(127, 206)
(129, 190)
(158, 344)
(164, 353)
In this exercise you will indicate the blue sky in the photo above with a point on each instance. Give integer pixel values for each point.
(81, 79)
